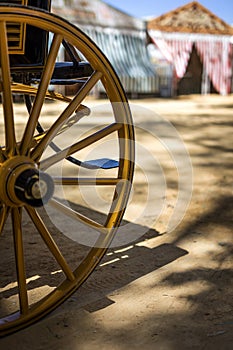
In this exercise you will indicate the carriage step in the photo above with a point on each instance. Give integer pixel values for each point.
(67, 81)
(103, 163)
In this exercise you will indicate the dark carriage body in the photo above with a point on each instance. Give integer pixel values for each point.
(28, 49)
(27, 44)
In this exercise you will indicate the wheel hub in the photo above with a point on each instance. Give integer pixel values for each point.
(22, 183)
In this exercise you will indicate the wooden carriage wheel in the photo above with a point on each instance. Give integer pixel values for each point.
(31, 185)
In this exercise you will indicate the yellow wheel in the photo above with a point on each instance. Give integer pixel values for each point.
(64, 188)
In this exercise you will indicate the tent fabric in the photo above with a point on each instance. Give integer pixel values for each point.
(216, 53)
(121, 37)
(177, 52)
(127, 52)
(217, 59)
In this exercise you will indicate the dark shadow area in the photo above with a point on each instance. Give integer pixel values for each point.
(223, 105)
(222, 213)
(190, 303)
(126, 263)
(121, 268)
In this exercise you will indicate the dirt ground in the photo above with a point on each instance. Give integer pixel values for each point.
(166, 290)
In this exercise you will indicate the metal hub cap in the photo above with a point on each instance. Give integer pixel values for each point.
(22, 183)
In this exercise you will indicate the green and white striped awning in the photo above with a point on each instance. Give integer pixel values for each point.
(121, 37)
(127, 52)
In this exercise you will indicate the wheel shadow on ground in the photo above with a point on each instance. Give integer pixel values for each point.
(122, 266)
(119, 267)
(204, 322)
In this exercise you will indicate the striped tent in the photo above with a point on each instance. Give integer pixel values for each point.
(178, 32)
(120, 36)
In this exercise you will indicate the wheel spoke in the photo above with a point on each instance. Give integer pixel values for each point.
(81, 111)
(70, 109)
(41, 94)
(46, 163)
(10, 138)
(19, 258)
(1, 155)
(49, 241)
(68, 181)
(77, 216)
(4, 215)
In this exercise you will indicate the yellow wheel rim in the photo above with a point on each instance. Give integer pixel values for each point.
(28, 148)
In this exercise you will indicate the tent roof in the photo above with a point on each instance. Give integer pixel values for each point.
(191, 18)
(95, 13)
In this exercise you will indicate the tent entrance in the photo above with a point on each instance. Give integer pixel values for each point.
(191, 83)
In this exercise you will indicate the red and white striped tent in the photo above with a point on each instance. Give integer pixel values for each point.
(176, 34)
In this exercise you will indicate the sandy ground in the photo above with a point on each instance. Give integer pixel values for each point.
(167, 290)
